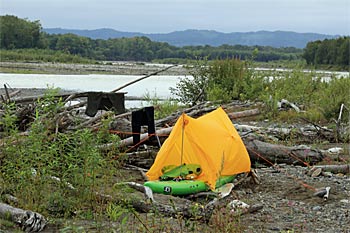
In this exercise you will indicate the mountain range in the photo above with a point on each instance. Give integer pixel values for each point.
(194, 37)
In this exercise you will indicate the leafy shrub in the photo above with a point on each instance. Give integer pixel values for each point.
(334, 94)
(192, 89)
(222, 80)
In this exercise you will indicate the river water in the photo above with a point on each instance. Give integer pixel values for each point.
(155, 86)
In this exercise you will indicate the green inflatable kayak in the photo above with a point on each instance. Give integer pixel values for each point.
(184, 187)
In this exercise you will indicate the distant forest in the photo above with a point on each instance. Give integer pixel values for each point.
(17, 33)
(328, 52)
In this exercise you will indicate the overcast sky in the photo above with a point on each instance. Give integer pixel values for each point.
(153, 16)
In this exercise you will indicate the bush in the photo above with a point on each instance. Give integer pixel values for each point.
(193, 89)
(334, 94)
(223, 80)
(232, 79)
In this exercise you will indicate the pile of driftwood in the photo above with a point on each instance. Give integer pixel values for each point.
(261, 142)
(264, 144)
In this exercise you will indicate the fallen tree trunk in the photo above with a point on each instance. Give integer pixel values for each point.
(339, 168)
(28, 220)
(272, 153)
(246, 113)
(304, 134)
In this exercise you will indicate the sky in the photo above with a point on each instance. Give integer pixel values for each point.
(330, 17)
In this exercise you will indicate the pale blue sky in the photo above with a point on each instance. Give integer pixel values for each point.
(153, 16)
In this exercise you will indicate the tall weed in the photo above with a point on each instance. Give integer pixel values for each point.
(51, 172)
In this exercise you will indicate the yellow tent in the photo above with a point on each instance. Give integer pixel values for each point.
(210, 141)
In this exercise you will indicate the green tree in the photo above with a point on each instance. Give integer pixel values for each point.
(19, 33)
(74, 44)
(328, 52)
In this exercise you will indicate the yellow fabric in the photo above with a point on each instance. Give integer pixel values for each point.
(210, 141)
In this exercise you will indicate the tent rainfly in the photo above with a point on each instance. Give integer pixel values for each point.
(210, 141)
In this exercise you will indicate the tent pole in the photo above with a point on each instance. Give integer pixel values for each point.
(182, 142)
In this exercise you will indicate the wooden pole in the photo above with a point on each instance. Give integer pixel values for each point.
(142, 78)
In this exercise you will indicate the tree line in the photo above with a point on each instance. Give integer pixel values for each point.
(328, 52)
(17, 33)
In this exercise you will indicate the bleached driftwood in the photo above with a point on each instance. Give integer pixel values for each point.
(339, 168)
(304, 134)
(28, 220)
(246, 113)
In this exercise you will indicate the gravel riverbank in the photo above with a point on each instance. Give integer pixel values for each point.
(289, 203)
(116, 68)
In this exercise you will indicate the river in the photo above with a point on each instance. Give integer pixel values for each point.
(154, 86)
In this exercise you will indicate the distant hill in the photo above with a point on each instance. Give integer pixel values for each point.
(275, 39)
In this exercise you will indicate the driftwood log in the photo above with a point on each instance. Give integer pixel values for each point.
(28, 220)
(335, 168)
(303, 134)
(272, 153)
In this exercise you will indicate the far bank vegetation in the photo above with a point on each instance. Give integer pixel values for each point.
(23, 40)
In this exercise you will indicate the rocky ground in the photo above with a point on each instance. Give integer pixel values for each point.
(289, 203)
